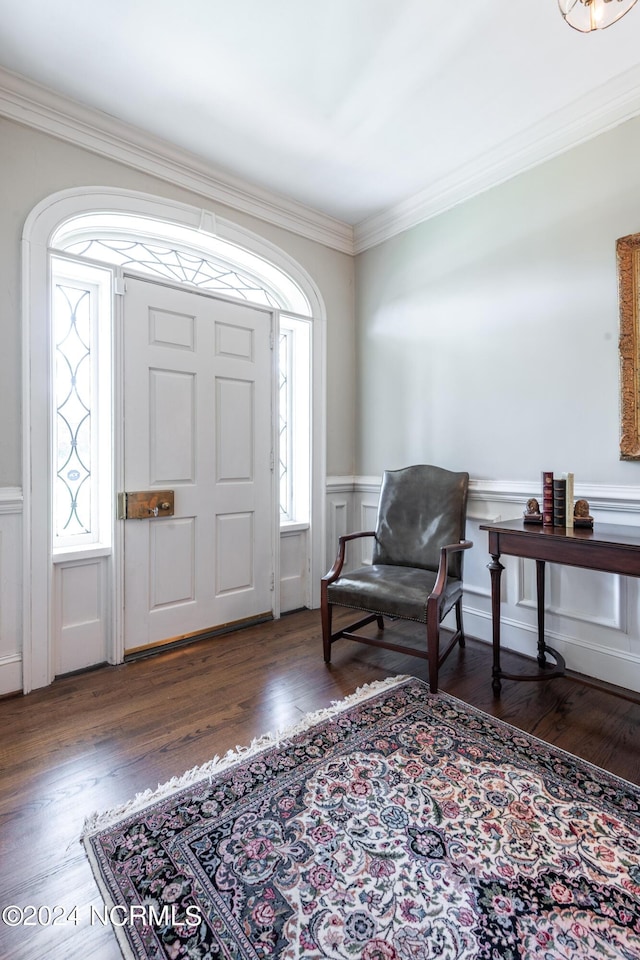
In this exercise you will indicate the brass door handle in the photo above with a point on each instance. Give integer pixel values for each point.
(144, 504)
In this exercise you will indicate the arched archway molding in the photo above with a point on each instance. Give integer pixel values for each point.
(203, 226)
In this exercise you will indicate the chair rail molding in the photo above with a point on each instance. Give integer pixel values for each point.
(601, 496)
(11, 499)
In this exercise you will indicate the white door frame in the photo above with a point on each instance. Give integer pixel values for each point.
(45, 218)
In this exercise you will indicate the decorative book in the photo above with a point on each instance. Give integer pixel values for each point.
(559, 502)
(547, 498)
(569, 498)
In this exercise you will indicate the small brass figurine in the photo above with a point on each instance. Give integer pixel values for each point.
(532, 513)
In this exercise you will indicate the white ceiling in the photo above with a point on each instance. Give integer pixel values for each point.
(351, 107)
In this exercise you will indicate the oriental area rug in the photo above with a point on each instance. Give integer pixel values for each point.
(395, 825)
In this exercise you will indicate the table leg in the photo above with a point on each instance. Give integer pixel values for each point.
(540, 565)
(496, 568)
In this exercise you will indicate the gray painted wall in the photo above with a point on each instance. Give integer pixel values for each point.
(34, 165)
(487, 338)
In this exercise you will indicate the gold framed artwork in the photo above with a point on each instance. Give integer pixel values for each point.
(628, 256)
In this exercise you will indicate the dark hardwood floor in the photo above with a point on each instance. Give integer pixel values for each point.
(93, 741)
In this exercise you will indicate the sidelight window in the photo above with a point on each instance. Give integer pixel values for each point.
(294, 413)
(81, 448)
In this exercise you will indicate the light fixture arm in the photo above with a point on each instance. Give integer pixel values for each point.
(588, 15)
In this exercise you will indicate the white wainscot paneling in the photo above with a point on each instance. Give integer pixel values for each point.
(486, 507)
(590, 599)
(10, 591)
(350, 508)
(477, 580)
(592, 618)
(80, 614)
(294, 580)
(339, 511)
(368, 512)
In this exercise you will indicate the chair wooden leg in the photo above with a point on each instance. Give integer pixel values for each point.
(380, 622)
(326, 611)
(459, 625)
(433, 645)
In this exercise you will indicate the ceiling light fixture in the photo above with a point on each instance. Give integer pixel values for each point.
(588, 15)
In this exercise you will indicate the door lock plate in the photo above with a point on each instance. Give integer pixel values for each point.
(145, 504)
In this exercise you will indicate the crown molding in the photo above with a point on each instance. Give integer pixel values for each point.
(595, 112)
(36, 106)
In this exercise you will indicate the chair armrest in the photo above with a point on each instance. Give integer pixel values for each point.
(338, 563)
(443, 567)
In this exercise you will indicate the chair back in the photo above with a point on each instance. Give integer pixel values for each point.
(421, 509)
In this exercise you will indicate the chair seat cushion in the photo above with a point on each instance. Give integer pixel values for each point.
(391, 590)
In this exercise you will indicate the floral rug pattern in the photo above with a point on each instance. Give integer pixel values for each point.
(397, 825)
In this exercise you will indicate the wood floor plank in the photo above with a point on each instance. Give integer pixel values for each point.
(93, 741)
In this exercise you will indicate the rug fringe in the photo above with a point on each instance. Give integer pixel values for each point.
(99, 821)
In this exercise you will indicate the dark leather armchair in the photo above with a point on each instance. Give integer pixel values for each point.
(416, 568)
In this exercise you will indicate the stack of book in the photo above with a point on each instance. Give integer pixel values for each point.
(557, 500)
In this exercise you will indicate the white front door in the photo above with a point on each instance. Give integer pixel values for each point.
(197, 420)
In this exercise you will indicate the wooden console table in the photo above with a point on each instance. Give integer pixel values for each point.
(610, 548)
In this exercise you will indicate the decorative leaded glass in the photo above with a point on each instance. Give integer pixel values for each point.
(284, 387)
(176, 265)
(72, 429)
